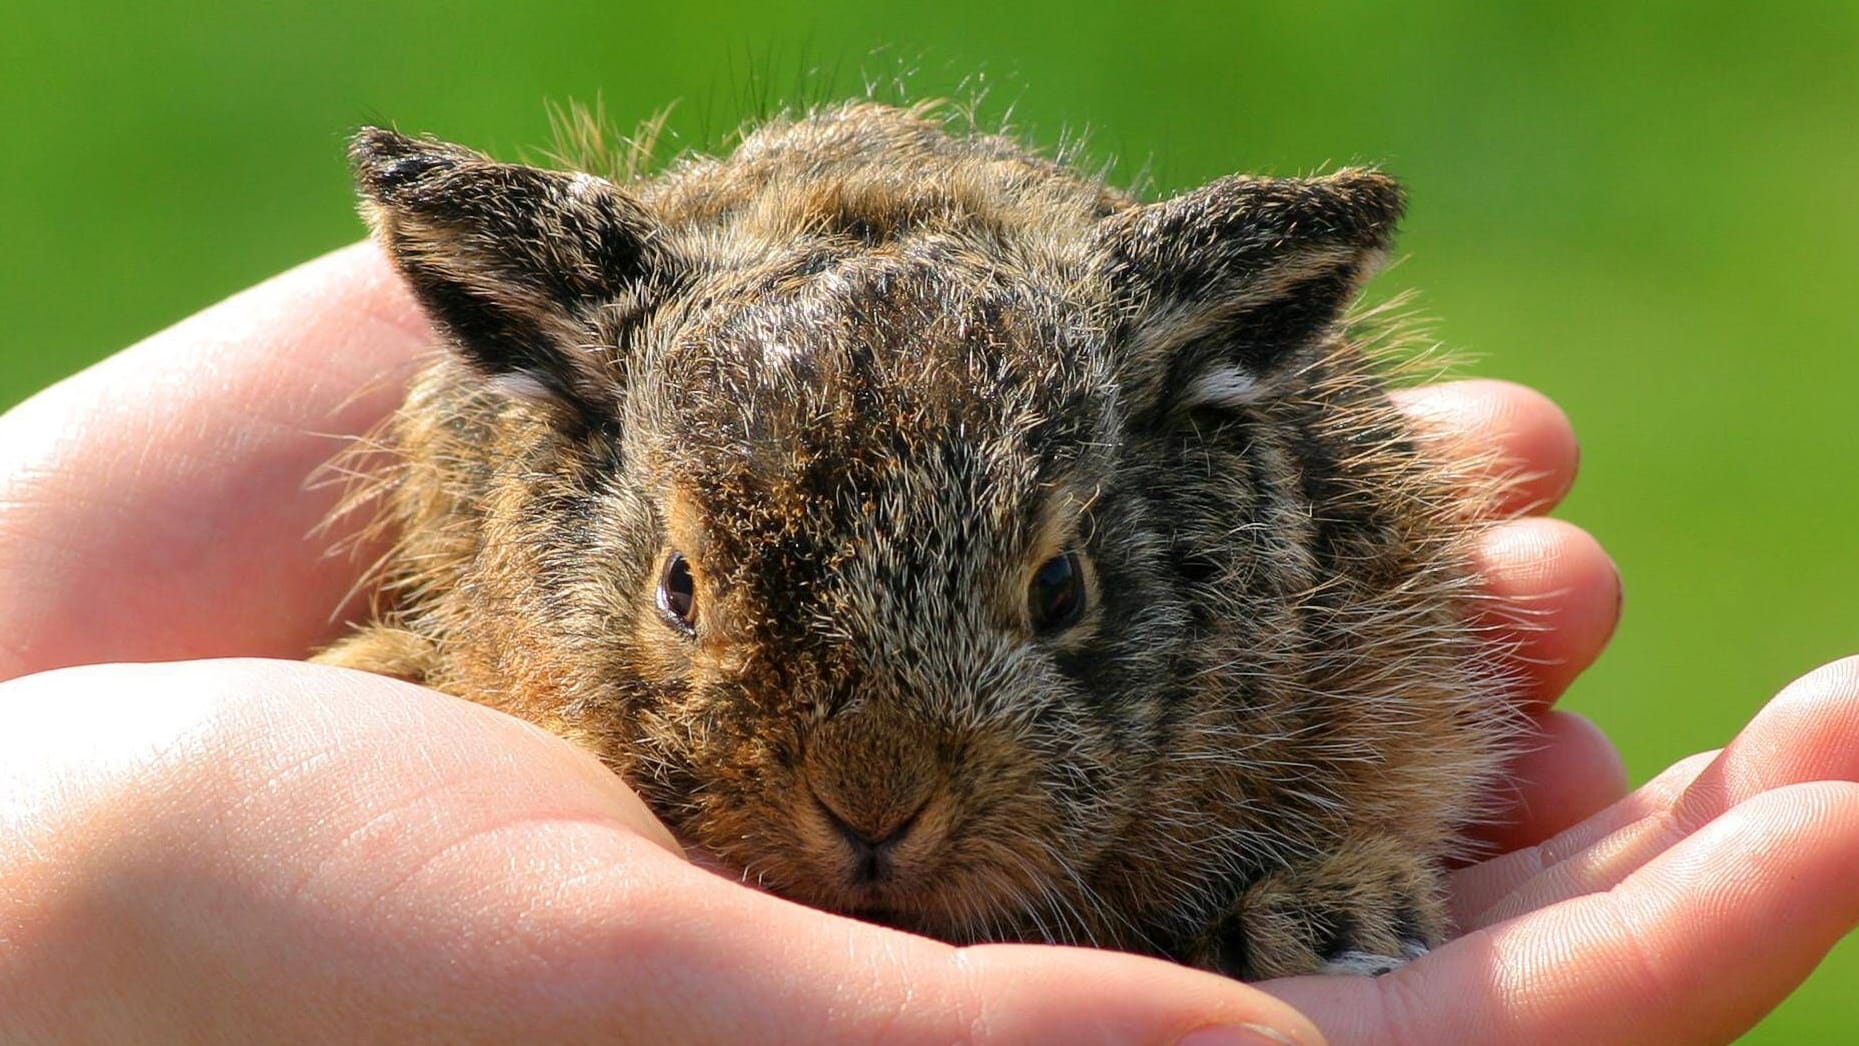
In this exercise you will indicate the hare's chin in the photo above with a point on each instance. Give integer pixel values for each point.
(916, 911)
(701, 857)
(948, 910)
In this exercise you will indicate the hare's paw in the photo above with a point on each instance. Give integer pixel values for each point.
(1342, 955)
(1361, 964)
(1371, 908)
(1368, 964)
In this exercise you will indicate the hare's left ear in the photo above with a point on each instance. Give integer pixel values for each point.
(514, 263)
(1217, 293)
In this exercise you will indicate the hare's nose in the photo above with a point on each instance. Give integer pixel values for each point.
(870, 831)
(880, 828)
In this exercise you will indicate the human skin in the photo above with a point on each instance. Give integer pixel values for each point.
(263, 849)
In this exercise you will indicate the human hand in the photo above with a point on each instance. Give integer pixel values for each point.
(294, 847)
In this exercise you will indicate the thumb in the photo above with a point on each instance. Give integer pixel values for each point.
(788, 974)
(1027, 993)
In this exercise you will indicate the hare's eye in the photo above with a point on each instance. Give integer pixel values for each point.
(677, 594)
(1055, 599)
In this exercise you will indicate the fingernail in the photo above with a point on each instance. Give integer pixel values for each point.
(1620, 596)
(1237, 1035)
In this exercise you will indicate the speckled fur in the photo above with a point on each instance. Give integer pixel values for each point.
(867, 374)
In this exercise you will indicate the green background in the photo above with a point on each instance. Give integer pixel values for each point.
(1649, 211)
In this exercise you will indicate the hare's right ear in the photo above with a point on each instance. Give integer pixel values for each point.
(1219, 294)
(513, 262)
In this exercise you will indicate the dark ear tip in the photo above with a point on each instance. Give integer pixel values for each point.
(371, 145)
(386, 161)
(1373, 200)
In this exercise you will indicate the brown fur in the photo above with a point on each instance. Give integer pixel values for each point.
(867, 375)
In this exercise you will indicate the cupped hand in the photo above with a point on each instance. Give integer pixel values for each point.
(225, 848)
(274, 851)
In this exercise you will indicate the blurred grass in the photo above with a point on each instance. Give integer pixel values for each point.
(1650, 211)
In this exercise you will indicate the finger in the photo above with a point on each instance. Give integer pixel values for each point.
(288, 847)
(1556, 598)
(1809, 732)
(153, 507)
(1477, 888)
(1519, 437)
(1693, 947)
(1569, 772)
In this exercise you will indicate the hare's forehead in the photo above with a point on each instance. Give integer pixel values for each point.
(892, 351)
(777, 420)
(933, 430)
